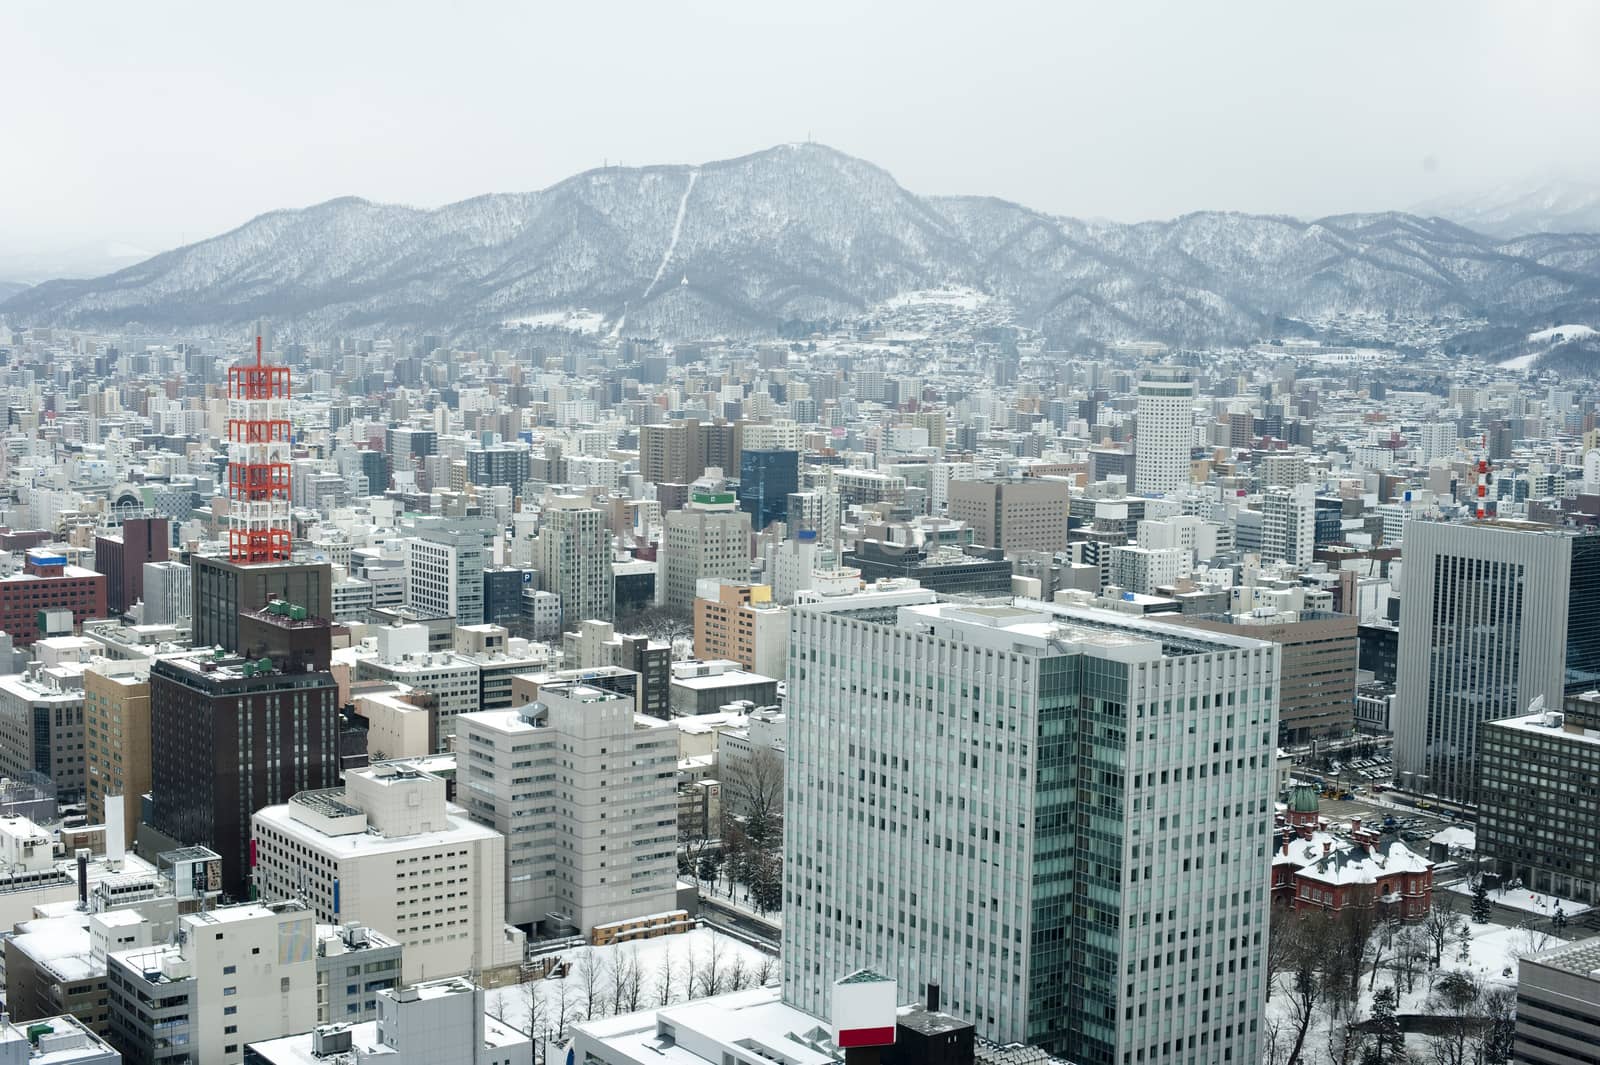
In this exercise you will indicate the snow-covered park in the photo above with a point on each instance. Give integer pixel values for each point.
(1397, 957)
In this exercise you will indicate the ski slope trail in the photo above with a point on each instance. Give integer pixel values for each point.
(677, 229)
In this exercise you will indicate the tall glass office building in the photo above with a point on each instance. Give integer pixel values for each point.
(1063, 816)
(765, 480)
(1493, 614)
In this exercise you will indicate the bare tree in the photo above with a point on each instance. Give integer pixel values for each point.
(1383, 941)
(533, 1000)
(1531, 939)
(691, 980)
(1303, 998)
(1499, 1007)
(1302, 983)
(665, 978)
(765, 970)
(619, 976)
(714, 974)
(1280, 941)
(1353, 945)
(755, 793)
(563, 1013)
(591, 976)
(1439, 923)
(1273, 1032)
(738, 974)
(1456, 1037)
(1344, 1039)
(1410, 953)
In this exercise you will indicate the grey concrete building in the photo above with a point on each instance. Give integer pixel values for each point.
(1028, 514)
(1558, 1006)
(1318, 652)
(1538, 789)
(1492, 614)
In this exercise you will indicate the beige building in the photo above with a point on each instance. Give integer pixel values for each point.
(388, 851)
(116, 723)
(671, 452)
(1020, 515)
(740, 623)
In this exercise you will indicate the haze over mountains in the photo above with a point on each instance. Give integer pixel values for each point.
(799, 233)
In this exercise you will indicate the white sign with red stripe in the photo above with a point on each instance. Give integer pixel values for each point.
(865, 1005)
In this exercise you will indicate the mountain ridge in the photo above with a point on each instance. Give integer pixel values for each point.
(800, 232)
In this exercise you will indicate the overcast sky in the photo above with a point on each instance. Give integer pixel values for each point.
(154, 123)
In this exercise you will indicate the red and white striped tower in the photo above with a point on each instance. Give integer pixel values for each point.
(258, 462)
(1485, 478)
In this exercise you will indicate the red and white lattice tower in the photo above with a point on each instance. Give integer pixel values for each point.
(1485, 478)
(258, 462)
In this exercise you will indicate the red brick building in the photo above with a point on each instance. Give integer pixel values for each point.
(48, 583)
(1381, 874)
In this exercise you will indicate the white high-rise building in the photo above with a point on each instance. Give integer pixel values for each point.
(573, 557)
(166, 593)
(584, 790)
(708, 538)
(444, 572)
(793, 561)
(1436, 440)
(1064, 816)
(1165, 430)
(388, 851)
(1289, 524)
(1145, 569)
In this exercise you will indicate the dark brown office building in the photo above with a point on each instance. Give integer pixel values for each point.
(121, 557)
(230, 734)
(1318, 654)
(220, 590)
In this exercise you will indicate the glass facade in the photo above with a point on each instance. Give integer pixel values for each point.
(1583, 619)
(1079, 836)
(765, 480)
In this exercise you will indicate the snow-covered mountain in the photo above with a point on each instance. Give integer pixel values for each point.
(802, 232)
(1552, 206)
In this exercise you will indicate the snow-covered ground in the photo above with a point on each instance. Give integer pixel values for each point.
(1560, 333)
(628, 976)
(1492, 954)
(1527, 901)
(965, 298)
(1522, 362)
(582, 320)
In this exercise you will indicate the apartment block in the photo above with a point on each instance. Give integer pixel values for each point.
(1537, 775)
(583, 789)
(1492, 615)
